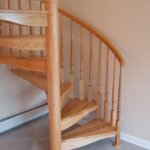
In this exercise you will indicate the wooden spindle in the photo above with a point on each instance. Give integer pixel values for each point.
(81, 90)
(0, 22)
(98, 98)
(112, 119)
(53, 76)
(0, 28)
(119, 95)
(72, 60)
(20, 27)
(62, 73)
(72, 54)
(118, 122)
(41, 28)
(30, 28)
(30, 8)
(90, 87)
(10, 26)
(106, 88)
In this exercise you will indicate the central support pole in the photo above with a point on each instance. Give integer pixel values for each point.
(53, 75)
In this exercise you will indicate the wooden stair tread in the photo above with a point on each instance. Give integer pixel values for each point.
(34, 43)
(87, 134)
(75, 110)
(27, 63)
(95, 127)
(25, 17)
(39, 79)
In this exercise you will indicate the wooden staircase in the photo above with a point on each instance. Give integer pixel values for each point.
(37, 58)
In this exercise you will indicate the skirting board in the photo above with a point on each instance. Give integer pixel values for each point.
(136, 141)
(125, 137)
(23, 118)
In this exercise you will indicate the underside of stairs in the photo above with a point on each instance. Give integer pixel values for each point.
(39, 80)
(79, 78)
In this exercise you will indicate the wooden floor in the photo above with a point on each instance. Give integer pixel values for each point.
(34, 136)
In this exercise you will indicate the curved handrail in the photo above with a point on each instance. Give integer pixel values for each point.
(93, 31)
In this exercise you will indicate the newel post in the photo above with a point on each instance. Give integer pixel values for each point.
(53, 79)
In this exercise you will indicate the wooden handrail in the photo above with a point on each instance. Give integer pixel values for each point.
(94, 32)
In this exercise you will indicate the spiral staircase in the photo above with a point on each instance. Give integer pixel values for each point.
(81, 79)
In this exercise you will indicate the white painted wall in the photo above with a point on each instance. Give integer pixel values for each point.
(16, 94)
(127, 24)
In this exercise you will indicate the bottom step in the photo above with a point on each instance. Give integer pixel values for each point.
(86, 134)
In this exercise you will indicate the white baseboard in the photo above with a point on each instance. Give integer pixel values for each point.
(126, 137)
(136, 141)
(21, 119)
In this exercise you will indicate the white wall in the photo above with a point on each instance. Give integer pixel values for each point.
(17, 95)
(127, 24)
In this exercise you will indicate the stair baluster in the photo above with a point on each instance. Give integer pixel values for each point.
(20, 27)
(112, 119)
(72, 61)
(98, 98)
(62, 53)
(0, 22)
(30, 28)
(41, 28)
(10, 27)
(118, 122)
(90, 87)
(72, 54)
(106, 88)
(81, 90)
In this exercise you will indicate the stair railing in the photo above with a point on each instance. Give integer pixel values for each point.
(113, 62)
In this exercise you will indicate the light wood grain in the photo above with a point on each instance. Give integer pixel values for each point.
(112, 118)
(72, 74)
(81, 90)
(30, 64)
(98, 96)
(10, 26)
(28, 43)
(72, 54)
(62, 52)
(90, 86)
(25, 17)
(87, 134)
(106, 88)
(53, 75)
(118, 122)
(75, 110)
